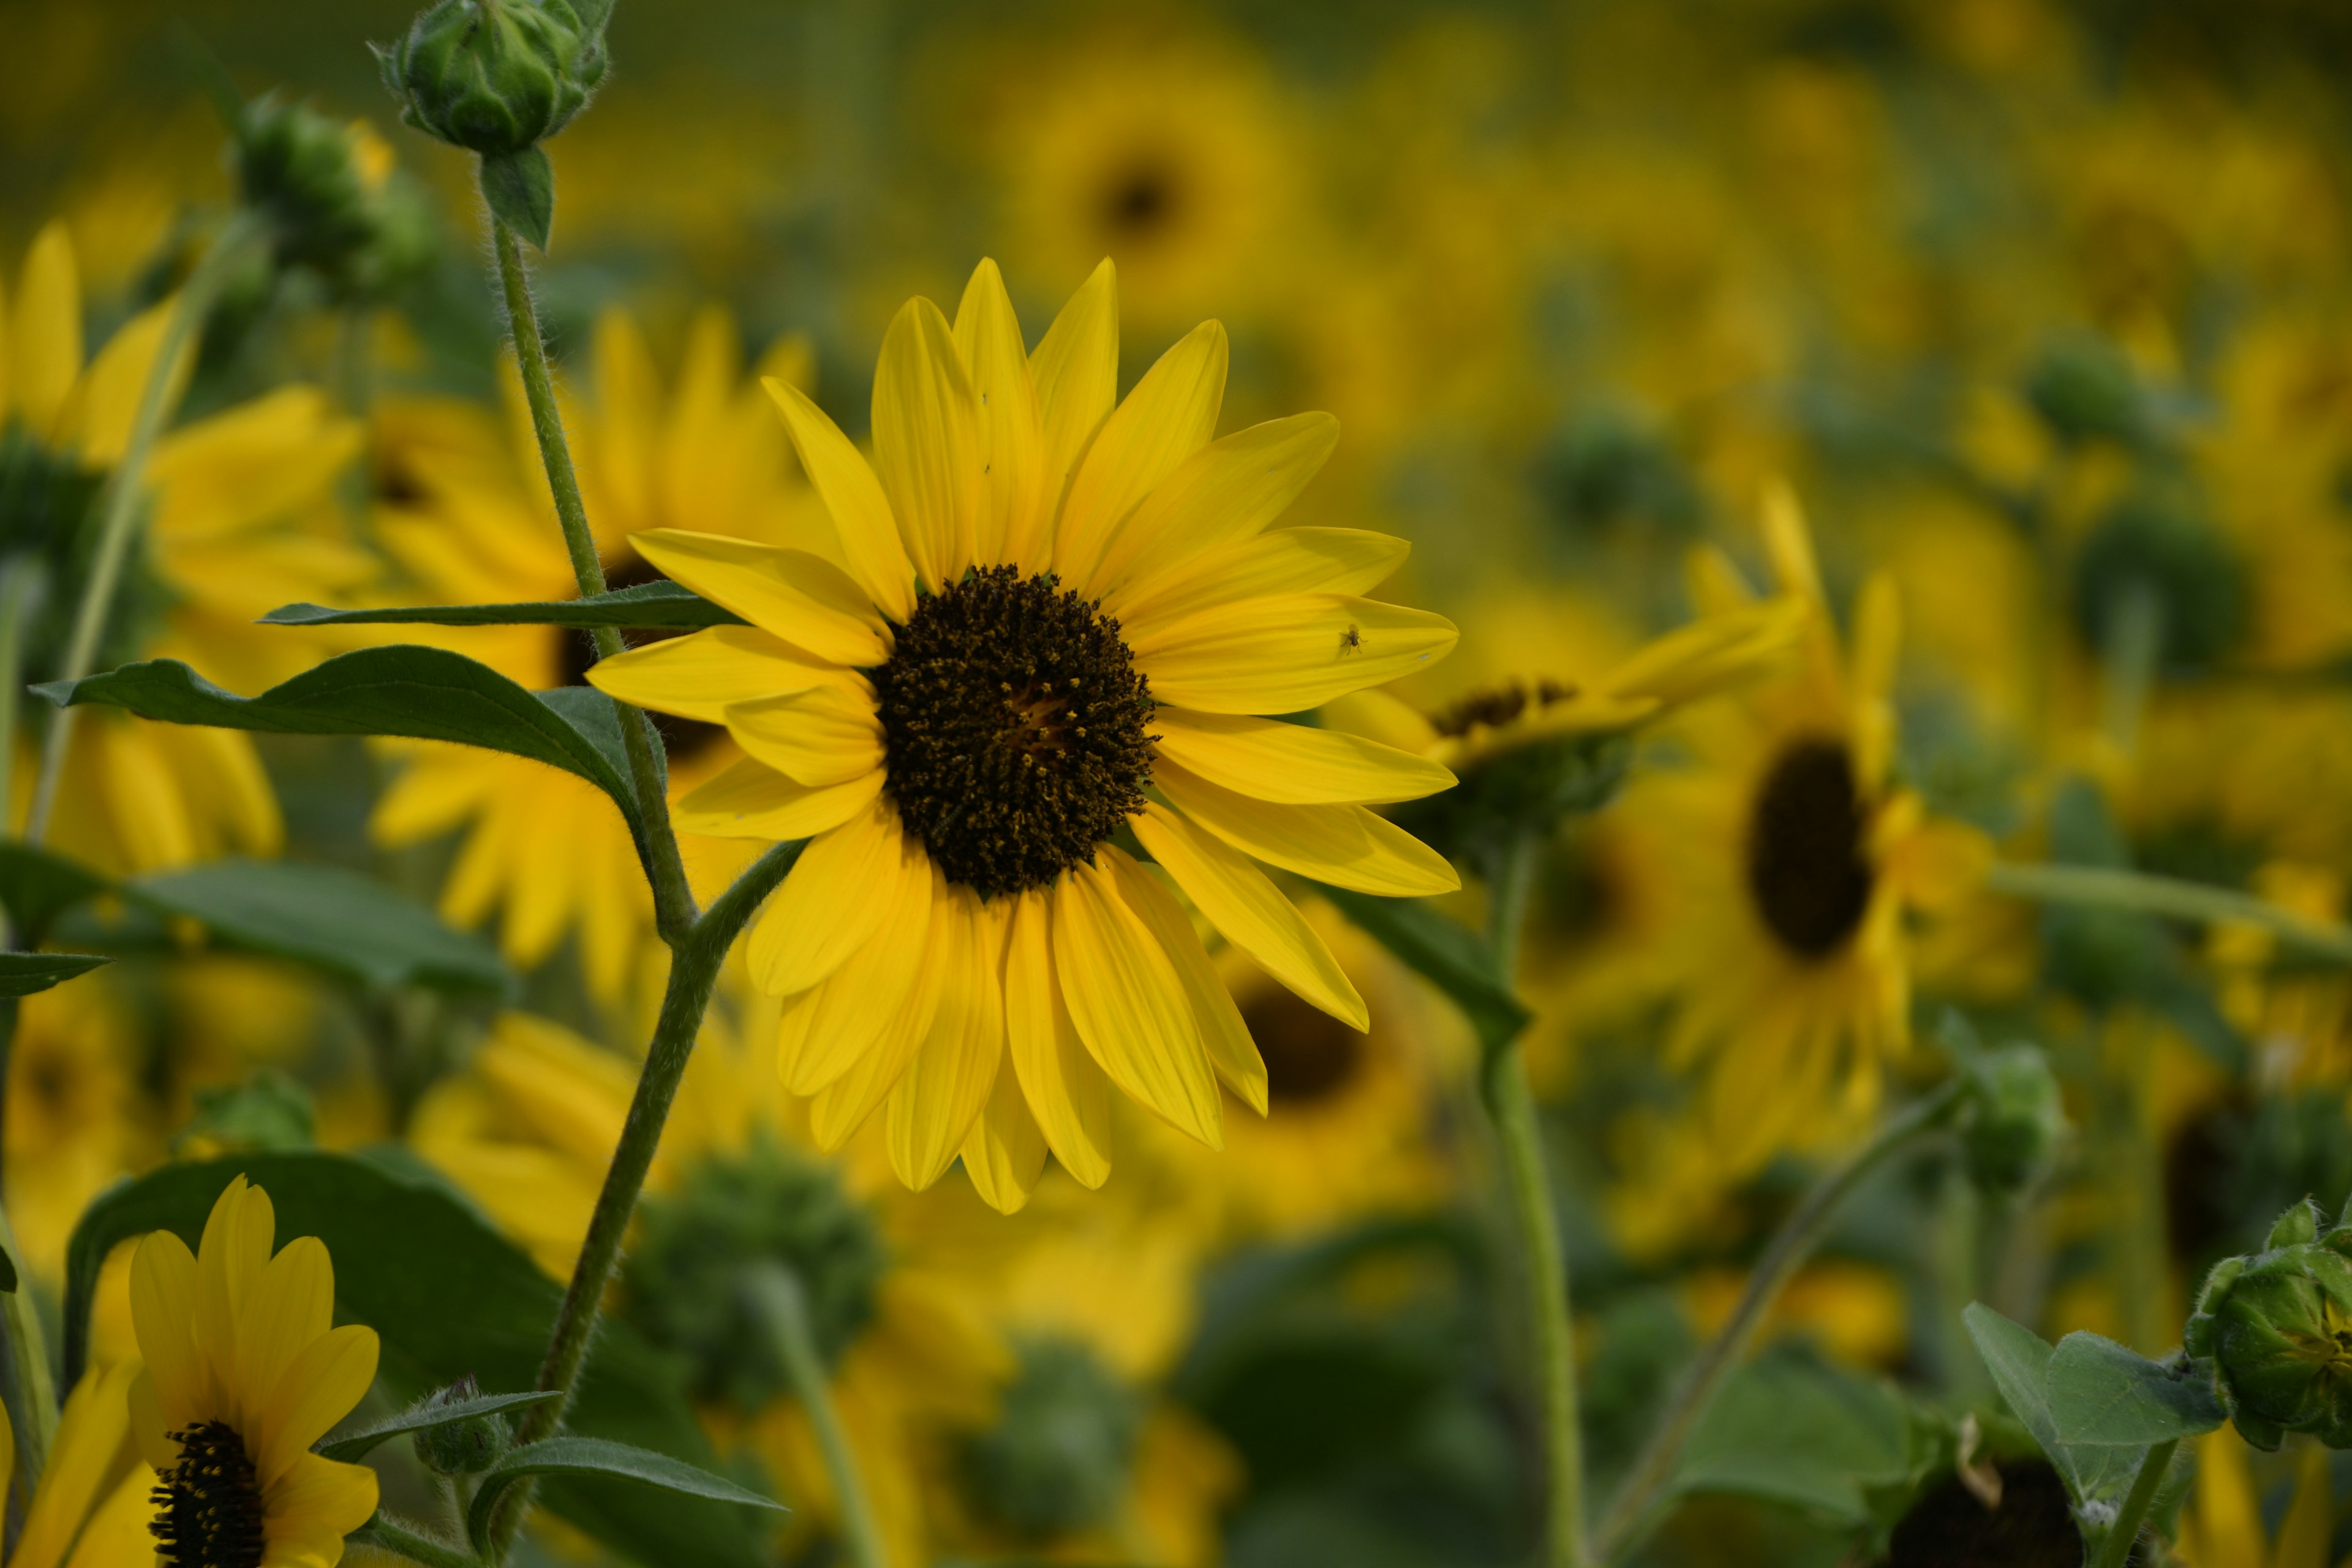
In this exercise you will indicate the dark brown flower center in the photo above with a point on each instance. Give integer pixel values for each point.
(208, 1508)
(1497, 706)
(1014, 725)
(1138, 200)
(1806, 862)
(1310, 1056)
(575, 652)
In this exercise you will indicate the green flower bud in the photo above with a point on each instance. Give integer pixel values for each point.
(2084, 389)
(1057, 1461)
(2013, 1117)
(2277, 1329)
(1609, 473)
(336, 204)
(1522, 781)
(464, 1447)
(496, 76)
(2152, 546)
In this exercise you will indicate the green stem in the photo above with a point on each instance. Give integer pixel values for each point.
(1535, 1226)
(1630, 1513)
(22, 582)
(119, 508)
(401, 1541)
(32, 1395)
(693, 970)
(2135, 638)
(2100, 887)
(777, 1295)
(673, 900)
(2134, 1166)
(2116, 1552)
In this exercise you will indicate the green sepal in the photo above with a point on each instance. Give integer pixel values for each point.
(605, 1461)
(23, 973)
(352, 1446)
(520, 189)
(2299, 1224)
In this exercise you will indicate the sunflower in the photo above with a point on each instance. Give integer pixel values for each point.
(1799, 858)
(242, 519)
(463, 507)
(244, 1373)
(73, 1113)
(90, 1506)
(1059, 625)
(2222, 1527)
(529, 1132)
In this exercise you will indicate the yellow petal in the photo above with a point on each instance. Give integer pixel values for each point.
(321, 1385)
(1231, 1050)
(1011, 521)
(1289, 654)
(926, 446)
(1788, 543)
(2309, 1531)
(162, 1315)
(805, 599)
(1068, 1095)
(92, 1445)
(1244, 904)
(936, 1103)
(749, 799)
(1345, 846)
(1076, 369)
(117, 1533)
(696, 676)
(842, 1106)
(619, 456)
(870, 545)
(1292, 764)
(1130, 1006)
(99, 412)
(1005, 1152)
(1377, 716)
(833, 900)
(230, 1260)
(44, 339)
(1286, 561)
(825, 735)
(839, 1020)
(1226, 492)
(1170, 416)
(317, 1503)
(292, 1304)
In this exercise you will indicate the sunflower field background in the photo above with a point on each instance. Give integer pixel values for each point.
(1786, 1001)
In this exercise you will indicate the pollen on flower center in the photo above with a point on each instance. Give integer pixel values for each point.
(1014, 724)
(1806, 865)
(208, 1507)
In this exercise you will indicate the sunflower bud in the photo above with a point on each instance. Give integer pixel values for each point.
(2277, 1329)
(1056, 1461)
(2155, 550)
(464, 1447)
(335, 204)
(2011, 1118)
(496, 76)
(2085, 390)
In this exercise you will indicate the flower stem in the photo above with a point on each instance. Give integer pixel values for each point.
(401, 1541)
(2116, 1552)
(693, 970)
(23, 584)
(32, 1404)
(777, 1295)
(1535, 1226)
(673, 900)
(2101, 887)
(1654, 1468)
(119, 507)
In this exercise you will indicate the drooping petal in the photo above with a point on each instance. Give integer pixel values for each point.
(1068, 1095)
(927, 448)
(1285, 561)
(1076, 369)
(1129, 1005)
(936, 1103)
(321, 1383)
(870, 545)
(1294, 764)
(1005, 1152)
(1287, 654)
(1170, 416)
(1226, 492)
(696, 676)
(749, 799)
(1243, 903)
(832, 902)
(839, 1020)
(1346, 845)
(1231, 1050)
(1011, 521)
(825, 735)
(805, 599)
(841, 1108)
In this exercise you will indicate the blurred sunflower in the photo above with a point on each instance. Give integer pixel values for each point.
(464, 510)
(1059, 622)
(1799, 860)
(90, 1508)
(529, 1133)
(72, 1114)
(241, 519)
(2223, 1525)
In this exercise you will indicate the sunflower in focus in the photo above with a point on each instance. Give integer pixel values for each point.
(1799, 860)
(241, 520)
(90, 1508)
(244, 1373)
(1059, 622)
(529, 1132)
(463, 507)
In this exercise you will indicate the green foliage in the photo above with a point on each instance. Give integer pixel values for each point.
(660, 604)
(429, 1414)
(602, 1459)
(39, 885)
(520, 190)
(23, 973)
(1791, 1430)
(2159, 547)
(2102, 1394)
(266, 1112)
(1056, 1460)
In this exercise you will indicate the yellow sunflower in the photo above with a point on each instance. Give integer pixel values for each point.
(242, 519)
(463, 507)
(2222, 1527)
(244, 1373)
(74, 1113)
(1799, 860)
(90, 1508)
(529, 1133)
(1058, 623)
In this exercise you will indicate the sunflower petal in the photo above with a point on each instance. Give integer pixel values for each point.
(93, 1443)
(234, 1251)
(317, 1503)
(1231, 1050)
(1170, 416)
(825, 735)
(163, 1316)
(861, 514)
(1068, 1097)
(1294, 764)
(749, 799)
(926, 446)
(1287, 654)
(45, 340)
(805, 599)
(1075, 368)
(842, 1018)
(1011, 523)
(321, 1383)
(1129, 1005)
(1005, 1152)
(1285, 561)
(841, 1108)
(832, 902)
(697, 675)
(1345, 846)
(292, 1304)
(937, 1103)
(1226, 492)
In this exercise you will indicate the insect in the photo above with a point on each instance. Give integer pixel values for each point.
(1351, 641)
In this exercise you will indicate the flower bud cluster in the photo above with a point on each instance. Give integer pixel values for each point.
(497, 77)
(2276, 1328)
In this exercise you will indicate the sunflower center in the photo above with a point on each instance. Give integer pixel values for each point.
(208, 1508)
(1806, 865)
(1138, 200)
(1056, 1461)
(1013, 723)
(683, 739)
(1310, 1056)
(1497, 706)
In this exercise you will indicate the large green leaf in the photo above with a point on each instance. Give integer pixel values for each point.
(324, 916)
(603, 1461)
(1443, 950)
(22, 974)
(2104, 1395)
(1790, 1430)
(449, 1297)
(660, 606)
(39, 885)
(2019, 1360)
(425, 693)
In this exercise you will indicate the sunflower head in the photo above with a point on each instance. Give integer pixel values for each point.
(1057, 1459)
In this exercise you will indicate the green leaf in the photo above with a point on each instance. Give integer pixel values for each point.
(2104, 1395)
(352, 1446)
(425, 693)
(1790, 1430)
(449, 1297)
(661, 605)
(520, 189)
(22, 974)
(1443, 950)
(606, 1461)
(2019, 1360)
(331, 919)
(39, 885)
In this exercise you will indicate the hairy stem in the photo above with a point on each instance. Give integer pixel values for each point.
(1629, 1513)
(2116, 1552)
(673, 900)
(119, 507)
(400, 1541)
(2099, 887)
(776, 1294)
(693, 970)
